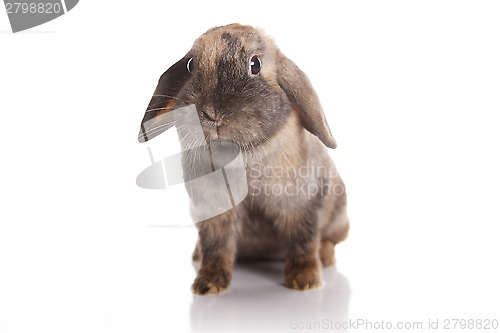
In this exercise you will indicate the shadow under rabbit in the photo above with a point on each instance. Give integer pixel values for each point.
(258, 300)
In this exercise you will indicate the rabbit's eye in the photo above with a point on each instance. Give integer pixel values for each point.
(255, 65)
(189, 65)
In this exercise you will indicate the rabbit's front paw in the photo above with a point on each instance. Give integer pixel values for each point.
(211, 281)
(303, 273)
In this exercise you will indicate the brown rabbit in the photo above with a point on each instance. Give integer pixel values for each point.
(248, 93)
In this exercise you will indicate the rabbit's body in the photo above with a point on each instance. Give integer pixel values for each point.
(262, 228)
(296, 203)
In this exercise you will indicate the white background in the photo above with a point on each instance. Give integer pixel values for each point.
(411, 92)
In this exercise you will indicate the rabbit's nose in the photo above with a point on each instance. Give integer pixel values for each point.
(215, 120)
(218, 120)
(212, 115)
(209, 112)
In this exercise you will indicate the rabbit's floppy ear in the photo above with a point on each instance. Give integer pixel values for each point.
(300, 91)
(163, 100)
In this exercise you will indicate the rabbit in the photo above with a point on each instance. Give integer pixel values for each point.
(248, 93)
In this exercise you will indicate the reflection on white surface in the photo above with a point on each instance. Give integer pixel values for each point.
(258, 301)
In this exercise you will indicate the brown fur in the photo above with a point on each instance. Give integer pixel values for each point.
(277, 120)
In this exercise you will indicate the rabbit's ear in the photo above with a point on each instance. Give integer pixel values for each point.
(300, 91)
(163, 100)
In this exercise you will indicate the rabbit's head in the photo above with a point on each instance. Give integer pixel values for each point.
(243, 87)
